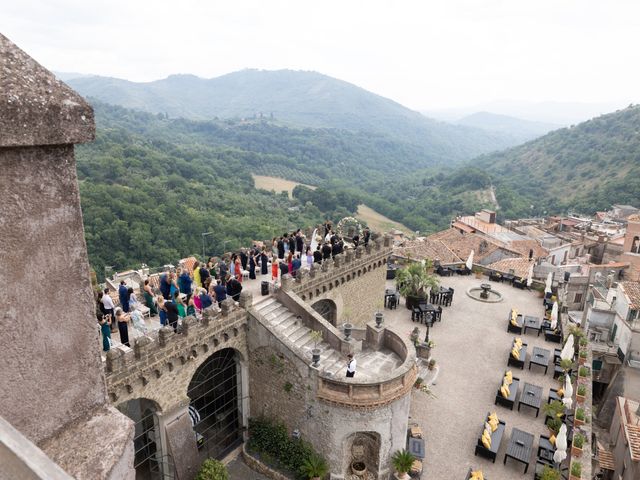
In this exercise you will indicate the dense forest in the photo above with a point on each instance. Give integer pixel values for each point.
(151, 185)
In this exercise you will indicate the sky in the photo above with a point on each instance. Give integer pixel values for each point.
(424, 54)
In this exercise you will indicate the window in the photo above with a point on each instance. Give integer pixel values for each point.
(577, 298)
(635, 245)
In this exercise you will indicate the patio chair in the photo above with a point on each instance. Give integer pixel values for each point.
(496, 440)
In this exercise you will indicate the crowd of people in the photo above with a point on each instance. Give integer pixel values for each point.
(184, 292)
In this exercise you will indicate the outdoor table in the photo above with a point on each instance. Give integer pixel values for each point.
(508, 277)
(519, 447)
(532, 323)
(416, 447)
(427, 311)
(531, 397)
(388, 293)
(540, 356)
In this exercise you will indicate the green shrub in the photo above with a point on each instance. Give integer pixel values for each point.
(314, 466)
(576, 469)
(212, 470)
(549, 473)
(580, 414)
(270, 438)
(578, 440)
(582, 390)
(583, 372)
(402, 461)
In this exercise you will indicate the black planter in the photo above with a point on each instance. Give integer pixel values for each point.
(315, 356)
(379, 319)
(347, 331)
(413, 302)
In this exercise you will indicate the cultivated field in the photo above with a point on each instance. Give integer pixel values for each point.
(277, 184)
(378, 222)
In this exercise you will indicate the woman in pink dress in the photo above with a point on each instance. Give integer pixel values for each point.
(238, 269)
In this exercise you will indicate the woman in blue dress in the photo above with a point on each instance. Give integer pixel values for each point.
(105, 328)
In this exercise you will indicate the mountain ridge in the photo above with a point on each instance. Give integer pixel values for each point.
(301, 98)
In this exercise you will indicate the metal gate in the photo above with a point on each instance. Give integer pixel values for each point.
(214, 409)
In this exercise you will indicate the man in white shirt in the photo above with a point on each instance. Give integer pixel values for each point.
(351, 366)
(107, 301)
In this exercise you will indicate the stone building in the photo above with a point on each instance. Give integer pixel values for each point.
(53, 395)
(158, 409)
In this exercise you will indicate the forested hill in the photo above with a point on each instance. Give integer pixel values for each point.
(586, 168)
(297, 98)
(150, 186)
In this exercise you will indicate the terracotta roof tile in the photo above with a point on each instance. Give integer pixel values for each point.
(461, 244)
(523, 246)
(188, 263)
(426, 249)
(632, 289)
(633, 437)
(605, 458)
(520, 266)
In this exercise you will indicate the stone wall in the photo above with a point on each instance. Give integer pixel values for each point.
(161, 368)
(350, 280)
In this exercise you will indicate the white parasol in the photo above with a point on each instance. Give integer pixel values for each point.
(547, 286)
(530, 276)
(470, 261)
(314, 241)
(568, 392)
(561, 445)
(554, 316)
(567, 350)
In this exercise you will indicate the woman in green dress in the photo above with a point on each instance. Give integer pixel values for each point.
(105, 328)
(149, 299)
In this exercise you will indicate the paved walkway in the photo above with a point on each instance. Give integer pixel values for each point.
(472, 345)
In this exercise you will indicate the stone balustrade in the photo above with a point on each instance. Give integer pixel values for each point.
(372, 394)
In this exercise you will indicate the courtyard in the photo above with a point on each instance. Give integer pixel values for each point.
(472, 347)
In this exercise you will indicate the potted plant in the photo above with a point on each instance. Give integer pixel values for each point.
(576, 470)
(583, 372)
(477, 272)
(379, 316)
(553, 409)
(432, 364)
(576, 445)
(414, 283)
(316, 336)
(579, 417)
(314, 467)
(566, 364)
(554, 424)
(212, 470)
(419, 382)
(581, 393)
(582, 357)
(583, 342)
(402, 461)
(550, 473)
(346, 316)
(540, 289)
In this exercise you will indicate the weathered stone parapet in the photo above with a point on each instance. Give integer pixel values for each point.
(246, 299)
(128, 374)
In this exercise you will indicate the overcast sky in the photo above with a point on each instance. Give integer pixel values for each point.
(424, 54)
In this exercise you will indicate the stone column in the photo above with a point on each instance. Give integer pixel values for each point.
(53, 384)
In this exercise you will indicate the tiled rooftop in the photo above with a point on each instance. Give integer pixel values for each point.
(516, 266)
(632, 289)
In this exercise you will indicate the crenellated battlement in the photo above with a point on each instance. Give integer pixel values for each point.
(129, 371)
(343, 268)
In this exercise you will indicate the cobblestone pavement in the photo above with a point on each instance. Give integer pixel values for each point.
(472, 346)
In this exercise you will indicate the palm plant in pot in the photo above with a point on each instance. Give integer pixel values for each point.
(316, 336)
(414, 282)
(402, 462)
(314, 467)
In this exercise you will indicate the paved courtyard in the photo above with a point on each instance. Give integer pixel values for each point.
(472, 346)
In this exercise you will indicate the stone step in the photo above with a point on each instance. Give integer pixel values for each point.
(295, 325)
(299, 334)
(276, 312)
(306, 342)
(268, 306)
(285, 325)
(283, 317)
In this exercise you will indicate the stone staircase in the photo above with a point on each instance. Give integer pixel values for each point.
(284, 324)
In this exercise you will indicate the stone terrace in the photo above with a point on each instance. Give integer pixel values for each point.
(472, 346)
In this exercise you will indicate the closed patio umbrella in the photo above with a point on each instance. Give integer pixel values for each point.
(567, 350)
(554, 316)
(547, 286)
(568, 392)
(561, 445)
(470, 261)
(530, 276)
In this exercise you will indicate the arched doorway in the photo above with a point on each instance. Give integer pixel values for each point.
(215, 393)
(326, 308)
(149, 461)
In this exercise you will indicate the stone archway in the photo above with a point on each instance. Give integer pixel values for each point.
(215, 394)
(327, 309)
(363, 448)
(150, 462)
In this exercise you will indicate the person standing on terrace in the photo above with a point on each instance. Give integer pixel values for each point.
(107, 301)
(123, 295)
(165, 285)
(264, 261)
(281, 248)
(105, 328)
(185, 283)
(123, 328)
(148, 299)
(196, 274)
